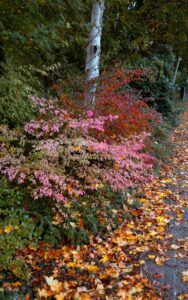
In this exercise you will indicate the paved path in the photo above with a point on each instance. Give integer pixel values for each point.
(168, 278)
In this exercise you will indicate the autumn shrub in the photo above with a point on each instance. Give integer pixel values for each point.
(114, 96)
(73, 165)
(57, 158)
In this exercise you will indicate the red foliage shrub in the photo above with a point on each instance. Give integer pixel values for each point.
(115, 97)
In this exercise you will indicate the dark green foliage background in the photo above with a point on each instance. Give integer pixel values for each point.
(43, 42)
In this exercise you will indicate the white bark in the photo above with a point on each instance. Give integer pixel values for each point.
(94, 45)
(176, 71)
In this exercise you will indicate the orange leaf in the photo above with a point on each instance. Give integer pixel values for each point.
(185, 275)
(8, 229)
(116, 167)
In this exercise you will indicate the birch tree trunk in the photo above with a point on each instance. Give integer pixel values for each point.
(94, 47)
(176, 71)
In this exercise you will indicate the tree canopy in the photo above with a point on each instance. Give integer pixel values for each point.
(42, 32)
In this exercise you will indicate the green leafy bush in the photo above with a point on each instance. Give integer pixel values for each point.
(23, 222)
(11, 296)
(17, 85)
(156, 84)
(97, 213)
(17, 227)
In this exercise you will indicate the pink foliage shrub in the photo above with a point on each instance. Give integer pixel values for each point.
(57, 155)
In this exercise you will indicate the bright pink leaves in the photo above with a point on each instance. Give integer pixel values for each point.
(63, 160)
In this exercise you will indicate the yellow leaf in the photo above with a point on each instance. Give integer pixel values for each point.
(84, 296)
(81, 296)
(129, 269)
(77, 148)
(143, 200)
(33, 248)
(54, 284)
(44, 293)
(68, 25)
(130, 225)
(154, 181)
(151, 256)
(162, 195)
(168, 180)
(104, 259)
(8, 229)
(60, 296)
(160, 261)
(71, 264)
(161, 219)
(152, 232)
(99, 185)
(92, 268)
